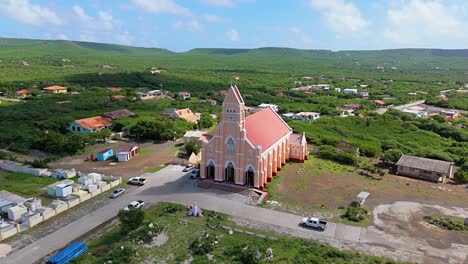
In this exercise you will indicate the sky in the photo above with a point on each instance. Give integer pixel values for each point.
(181, 25)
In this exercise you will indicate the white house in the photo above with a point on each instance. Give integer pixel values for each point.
(306, 116)
(273, 106)
(350, 91)
(415, 112)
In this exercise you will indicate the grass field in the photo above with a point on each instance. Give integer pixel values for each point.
(323, 188)
(24, 184)
(180, 231)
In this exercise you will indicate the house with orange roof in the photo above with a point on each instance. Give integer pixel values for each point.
(114, 89)
(185, 114)
(379, 103)
(249, 150)
(211, 101)
(89, 125)
(184, 95)
(117, 97)
(22, 93)
(55, 89)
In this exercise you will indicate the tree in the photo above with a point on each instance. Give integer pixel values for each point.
(130, 220)
(192, 147)
(205, 121)
(52, 142)
(74, 143)
(461, 175)
(102, 134)
(392, 155)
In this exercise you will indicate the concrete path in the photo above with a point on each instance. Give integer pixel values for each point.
(171, 184)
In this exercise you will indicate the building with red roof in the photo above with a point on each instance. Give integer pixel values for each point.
(89, 125)
(55, 89)
(249, 150)
(22, 93)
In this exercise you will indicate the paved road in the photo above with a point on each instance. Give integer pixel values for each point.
(170, 185)
(382, 111)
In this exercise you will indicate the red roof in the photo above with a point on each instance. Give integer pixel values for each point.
(23, 91)
(265, 128)
(54, 87)
(94, 122)
(354, 106)
(296, 138)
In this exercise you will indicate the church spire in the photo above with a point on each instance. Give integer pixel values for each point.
(233, 107)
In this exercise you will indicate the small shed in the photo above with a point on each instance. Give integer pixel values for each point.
(127, 155)
(15, 212)
(362, 196)
(63, 189)
(105, 154)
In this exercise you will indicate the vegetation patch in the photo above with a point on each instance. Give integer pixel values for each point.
(24, 184)
(189, 238)
(448, 223)
(356, 213)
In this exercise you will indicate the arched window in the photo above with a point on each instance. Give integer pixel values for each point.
(249, 177)
(210, 170)
(230, 145)
(229, 172)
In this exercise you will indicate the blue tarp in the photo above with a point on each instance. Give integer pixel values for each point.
(69, 253)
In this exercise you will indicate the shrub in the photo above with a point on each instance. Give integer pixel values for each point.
(461, 175)
(169, 209)
(202, 245)
(355, 213)
(130, 220)
(392, 155)
(329, 152)
(214, 219)
(146, 233)
(445, 223)
(121, 255)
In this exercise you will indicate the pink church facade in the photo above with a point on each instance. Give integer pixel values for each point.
(249, 150)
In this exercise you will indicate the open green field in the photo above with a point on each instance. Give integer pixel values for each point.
(181, 231)
(24, 184)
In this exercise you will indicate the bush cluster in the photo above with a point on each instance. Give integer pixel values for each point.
(355, 213)
(330, 153)
(203, 244)
(445, 223)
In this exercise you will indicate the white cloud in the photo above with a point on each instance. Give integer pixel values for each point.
(301, 35)
(425, 24)
(221, 3)
(27, 13)
(192, 25)
(102, 28)
(233, 35)
(340, 16)
(162, 6)
(213, 18)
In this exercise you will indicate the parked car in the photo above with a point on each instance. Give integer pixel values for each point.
(137, 181)
(314, 222)
(188, 167)
(195, 173)
(135, 204)
(117, 192)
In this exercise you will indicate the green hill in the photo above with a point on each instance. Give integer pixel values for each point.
(267, 67)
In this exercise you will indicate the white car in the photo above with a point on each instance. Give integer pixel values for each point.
(135, 204)
(314, 222)
(117, 192)
(137, 181)
(195, 173)
(188, 167)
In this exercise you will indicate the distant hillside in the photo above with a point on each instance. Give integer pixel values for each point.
(267, 66)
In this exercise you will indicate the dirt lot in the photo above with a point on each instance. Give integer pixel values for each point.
(319, 182)
(151, 155)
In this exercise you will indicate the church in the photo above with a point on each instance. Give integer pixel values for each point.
(249, 150)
